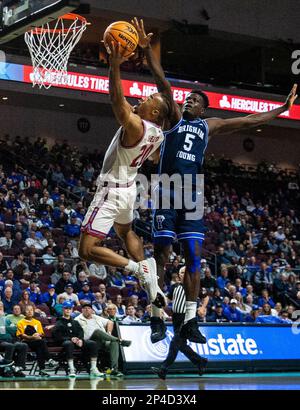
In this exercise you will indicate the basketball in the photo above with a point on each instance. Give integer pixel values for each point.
(123, 33)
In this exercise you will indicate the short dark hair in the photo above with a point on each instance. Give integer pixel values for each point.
(203, 95)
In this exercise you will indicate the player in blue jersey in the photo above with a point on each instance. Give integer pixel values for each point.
(182, 153)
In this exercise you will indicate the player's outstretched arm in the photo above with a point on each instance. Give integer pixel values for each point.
(221, 126)
(163, 86)
(123, 111)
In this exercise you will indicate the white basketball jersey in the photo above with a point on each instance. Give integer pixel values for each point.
(121, 164)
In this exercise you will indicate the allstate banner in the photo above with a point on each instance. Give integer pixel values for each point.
(224, 343)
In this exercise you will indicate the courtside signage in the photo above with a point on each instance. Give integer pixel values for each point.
(225, 343)
(138, 89)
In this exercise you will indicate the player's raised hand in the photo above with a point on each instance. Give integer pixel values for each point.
(144, 39)
(291, 97)
(116, 56)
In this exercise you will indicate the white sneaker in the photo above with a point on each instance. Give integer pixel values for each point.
(147, 274)
(96, 373)
(72, 373)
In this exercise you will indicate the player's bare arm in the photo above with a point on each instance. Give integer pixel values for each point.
(123, 111)
(222, 126)
(163, 86)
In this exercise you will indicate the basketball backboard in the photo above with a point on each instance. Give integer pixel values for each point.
(18, 16)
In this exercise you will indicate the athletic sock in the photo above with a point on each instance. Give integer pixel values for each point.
(71, 366)
(191, 308)
(155, 311)
(94, 364)
(132, 266)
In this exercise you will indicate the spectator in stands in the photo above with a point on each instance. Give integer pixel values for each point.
(14, 350)
(49, 256)
(112, 312)
(49, 298)
(8, 300)
(128, 279)
(81, 278)
(63, 282)
(34, 291)
(97, 304)
(17, 290)
(221, 258)
(30, 331)
(100, 330)
(249, 303)
(263, 278)
(223, 279)
(34, 241)
(60, 266)
(217, 315)
(72, 229)
(16, 315)
(18, 244)
(4, 265)
(121, 309)
(115, 278)
(69, 334)
(208, 282)
(232, 313)
(33, 265)
(265, 298)
(20, 268)
(6, 241)
(71, 251)
(279, 234)
(280, 288)
(98, 270)
(105, 297)
(70, 295)
(86, 295)
(131, 316)
(25, 301)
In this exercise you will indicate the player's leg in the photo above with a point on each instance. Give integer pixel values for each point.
(163, 236)
(192, 245)
(97, 223)
(132, 242)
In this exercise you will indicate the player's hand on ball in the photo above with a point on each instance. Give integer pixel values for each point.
(291, 97)
(144, 39)
(116, 56)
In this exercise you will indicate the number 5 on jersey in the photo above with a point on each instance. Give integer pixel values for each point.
(189, 140)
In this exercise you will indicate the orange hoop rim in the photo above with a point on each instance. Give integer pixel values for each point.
(68, 16)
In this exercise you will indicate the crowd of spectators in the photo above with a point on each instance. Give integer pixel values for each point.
(251, 259)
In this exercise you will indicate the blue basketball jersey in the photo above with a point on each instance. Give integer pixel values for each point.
(183, 149)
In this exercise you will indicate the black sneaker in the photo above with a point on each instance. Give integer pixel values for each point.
(191, 332)
(158, 329)
(202, 366)
(125, 343)
(18, 371)
(6, 363)
(116, 373)
(161, 373)
(43, 373)
(8, 372)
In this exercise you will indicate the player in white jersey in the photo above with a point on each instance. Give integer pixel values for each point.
(138, 137)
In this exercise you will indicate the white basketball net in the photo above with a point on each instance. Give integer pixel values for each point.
(50, 49)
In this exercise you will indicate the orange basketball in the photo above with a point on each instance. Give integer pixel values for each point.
(123, 33)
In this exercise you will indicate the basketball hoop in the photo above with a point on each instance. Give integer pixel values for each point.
(50, 48)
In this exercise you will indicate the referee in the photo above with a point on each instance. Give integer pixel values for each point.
(177, 295)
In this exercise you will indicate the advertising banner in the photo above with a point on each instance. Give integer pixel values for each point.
(139, 89)
(224, 343)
